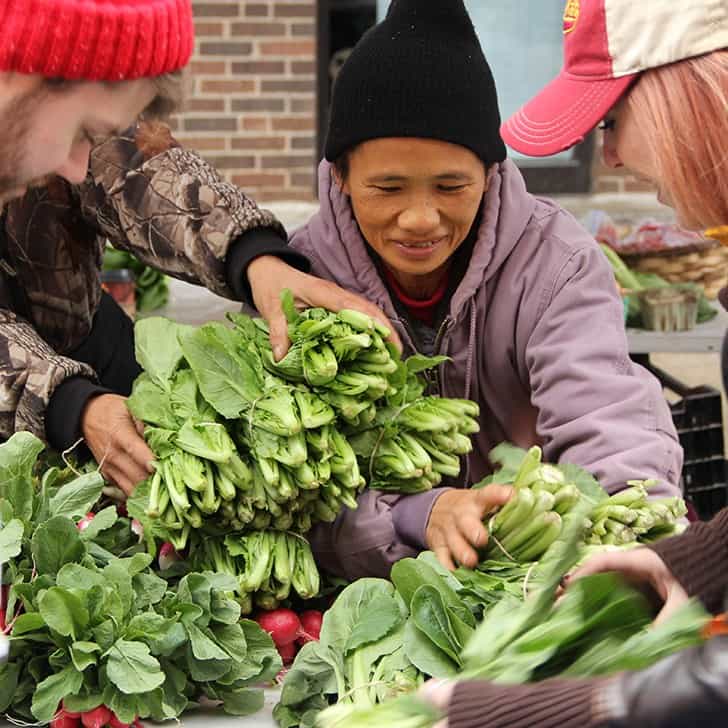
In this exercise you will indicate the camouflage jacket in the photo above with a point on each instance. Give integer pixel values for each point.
(145, 194)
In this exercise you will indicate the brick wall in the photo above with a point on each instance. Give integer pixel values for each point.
(251, 110)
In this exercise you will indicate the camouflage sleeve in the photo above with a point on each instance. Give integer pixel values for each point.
(167, 206)
(30, 371)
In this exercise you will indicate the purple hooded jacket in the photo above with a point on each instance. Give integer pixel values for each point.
(536, 336)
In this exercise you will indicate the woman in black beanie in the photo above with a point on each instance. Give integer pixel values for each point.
(423, 215)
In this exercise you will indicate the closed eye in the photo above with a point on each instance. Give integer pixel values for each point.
(387, 189)
(452, 188)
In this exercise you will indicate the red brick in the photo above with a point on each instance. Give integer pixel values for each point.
(302, 180)
(256, 10)
(215, 10)
(293, 123)
(258, 180)
(225, 48)
(228, 87)
(216, 144)
(303, 143)
(258, 68)
(258, 104)
(264, 142)
(211, 124)
(254, 123)
(198, 104)
(307, 106)
(303, 68)
(303, 29)
(200, 68)
(231, 162)
(256, 30)
(288, 48)
(292, 86)
(291, 10)
(212, 29)
(286, 162)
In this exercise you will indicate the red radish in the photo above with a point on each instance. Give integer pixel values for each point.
(310, 626)
(287, 652)
(283, 625)
(65, 720)
(96, 718)
(121, 510)
(167, 556)
(137, 529)
(82, 525)
(114, 722)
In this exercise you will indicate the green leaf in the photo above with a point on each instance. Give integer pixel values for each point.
(63, 612)
(224, 610)
(425, 655)
(203, 647)
(76, 498)
(149, 402)
(9, 674)
(132, 669)
(102, 521)
(84, 654)
(28, 622)
(72, 576)
(163, 635)
(231, 638)
(17, 458)
(262, 655)
(149, 589)
(584, 481)
(349, 608)
(55, 543)
(419, 363)
(244, 701)
(431, 618)
(226, 379)
(82, 703)
(380, 618)
(52, 690)
(157, 347)
(11, 540)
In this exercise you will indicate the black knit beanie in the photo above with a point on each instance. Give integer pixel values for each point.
(420, 73)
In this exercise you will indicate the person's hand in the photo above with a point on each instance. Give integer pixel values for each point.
(641, 568)
(115, 440)
(268, 276)
(438, 694)
(455, 529)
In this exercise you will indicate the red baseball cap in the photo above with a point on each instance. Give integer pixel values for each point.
(607, 44)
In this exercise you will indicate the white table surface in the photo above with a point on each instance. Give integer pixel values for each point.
(704, 338)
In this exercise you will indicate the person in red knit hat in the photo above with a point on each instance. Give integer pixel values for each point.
(84, 159)
(656, 73)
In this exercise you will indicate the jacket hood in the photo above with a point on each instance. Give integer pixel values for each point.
(343, 255)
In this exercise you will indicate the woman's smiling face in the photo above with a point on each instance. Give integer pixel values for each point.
(415, 200)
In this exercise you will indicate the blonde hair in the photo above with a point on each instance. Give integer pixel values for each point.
(683, 108)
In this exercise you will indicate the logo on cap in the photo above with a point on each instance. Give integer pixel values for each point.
(571, 15)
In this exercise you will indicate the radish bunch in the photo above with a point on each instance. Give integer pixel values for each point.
(99, 717)
(290, 631)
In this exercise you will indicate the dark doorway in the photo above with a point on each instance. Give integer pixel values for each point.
(341, 23)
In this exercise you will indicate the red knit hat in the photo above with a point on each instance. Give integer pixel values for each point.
(95, 40)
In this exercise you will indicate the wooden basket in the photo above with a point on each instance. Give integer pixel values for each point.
(706, 265)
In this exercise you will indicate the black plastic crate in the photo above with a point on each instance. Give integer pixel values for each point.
(708, 501)
(698, 418)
